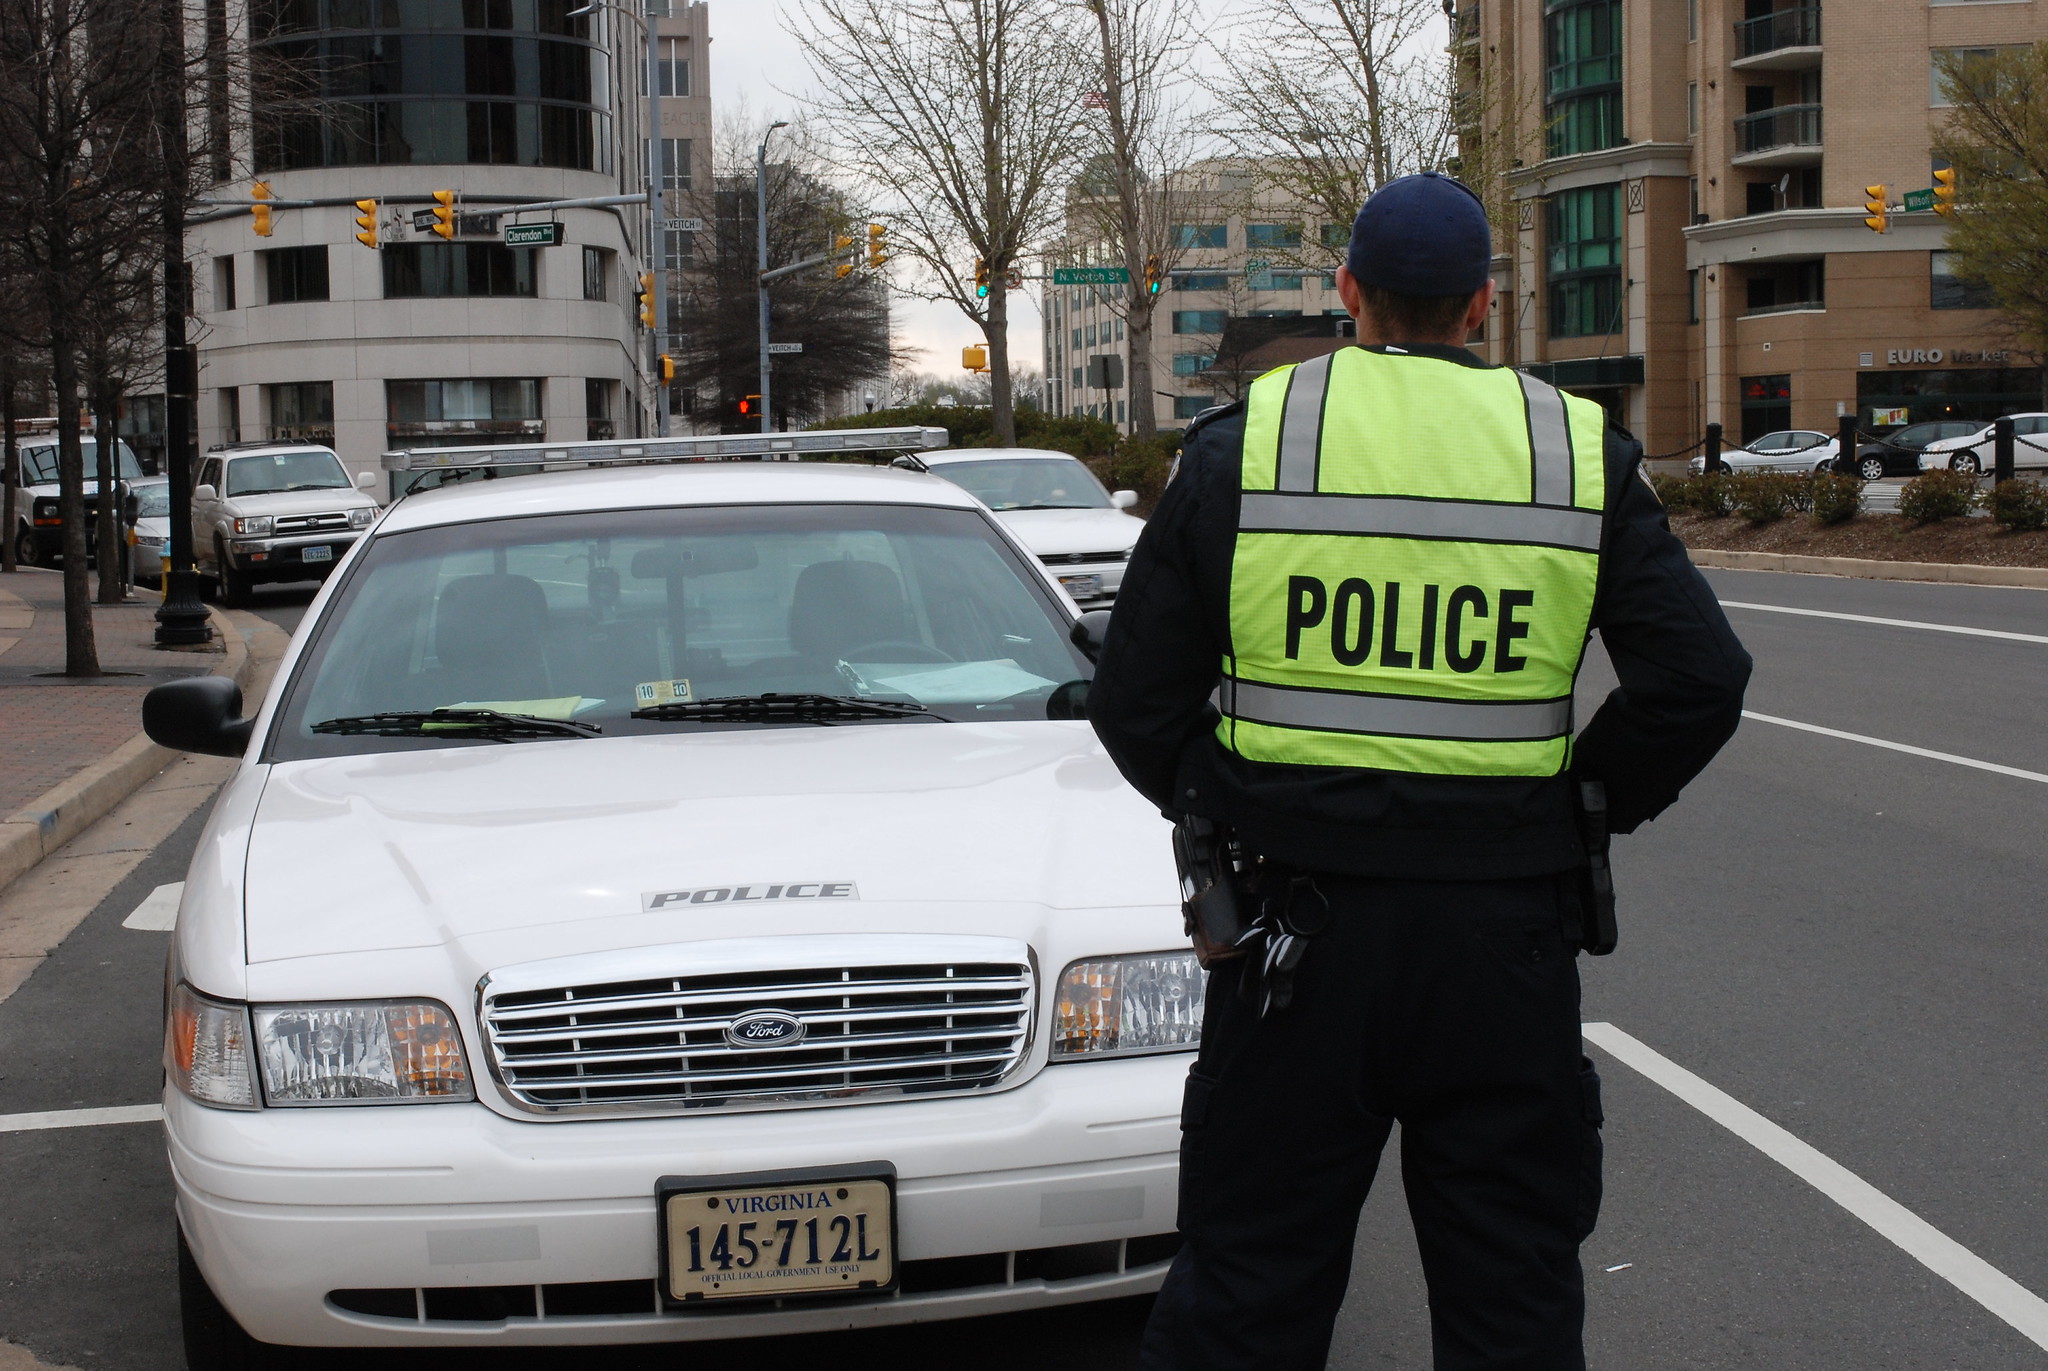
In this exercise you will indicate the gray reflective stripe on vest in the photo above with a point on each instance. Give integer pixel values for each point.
(1462, 520)
(1301, 425)
(1343, 711)
(1550, 442)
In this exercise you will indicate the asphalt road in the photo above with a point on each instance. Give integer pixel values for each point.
(1841, 936)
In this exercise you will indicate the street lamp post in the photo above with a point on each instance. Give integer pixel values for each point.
(657, 259)
(761, 253)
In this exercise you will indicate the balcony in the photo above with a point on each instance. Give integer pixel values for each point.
(1787, 136)
(1465, 25)
(1788, 40)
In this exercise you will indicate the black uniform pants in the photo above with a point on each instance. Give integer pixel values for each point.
(1452, 1007)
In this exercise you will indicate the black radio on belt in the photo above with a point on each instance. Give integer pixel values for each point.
(1598, 932)
(1209, 861)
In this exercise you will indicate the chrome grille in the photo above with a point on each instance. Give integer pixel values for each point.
(660, 1044)
(1082, 558)
(309, 523)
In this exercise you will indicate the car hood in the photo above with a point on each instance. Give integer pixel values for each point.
(1956, 444)
(1052, 532)
(300, 501)
(552, 848)
(153, 527)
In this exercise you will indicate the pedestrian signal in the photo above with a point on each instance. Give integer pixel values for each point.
(878, 244)
(668, 368)
(1945, 191)
(647, 299)
(1876, 215)
(974, 358)
(747, 403)
(444, 213)
(366, 223)
(260, 191)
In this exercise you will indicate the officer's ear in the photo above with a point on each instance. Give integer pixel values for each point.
(1475, 313)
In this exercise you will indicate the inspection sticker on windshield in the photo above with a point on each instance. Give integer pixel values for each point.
(662, 692)
(756, 892)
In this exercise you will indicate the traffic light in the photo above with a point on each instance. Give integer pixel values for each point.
(1945, 191)
(366, 223)
(747, 403)
(444, 213)
(974, 358)
(1877, 216)
(1154, 281)
(878, 244)
(668, 368)
(980, 279)
(260, 191)
(647, 299)
(843, 242)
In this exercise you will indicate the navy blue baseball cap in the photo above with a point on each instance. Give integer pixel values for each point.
(1422, 235)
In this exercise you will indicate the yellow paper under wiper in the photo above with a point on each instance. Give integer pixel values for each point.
(562, 708)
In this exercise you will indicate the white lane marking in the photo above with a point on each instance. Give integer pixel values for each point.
(158, 912)
(1906, 748)
(1890, 623)
(1917, 1238)
(81, 1118)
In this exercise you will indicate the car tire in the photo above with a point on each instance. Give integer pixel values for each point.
(1966, 462)
(213, 1340)
(25, 548)
(1870, 468)
(233, 585)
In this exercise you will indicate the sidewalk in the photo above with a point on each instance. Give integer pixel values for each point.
(71, 749)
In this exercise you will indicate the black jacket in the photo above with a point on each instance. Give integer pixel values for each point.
(1680, 668)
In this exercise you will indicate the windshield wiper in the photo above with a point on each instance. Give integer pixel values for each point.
(458, 723)
(773, 708)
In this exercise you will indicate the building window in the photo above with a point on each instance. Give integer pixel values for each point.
(1584, 262)
(1336, 237)
(1077, 340)
(472, 410)
(1188, 406)
(1192, 363)
(1272, 235)
(1692, 296)
(1788, 286)
(1946, 290)
(414, 271)
(1201, 280)
(1120, 411)
(231, 414)
(1091, 335)
(675, 164)
(302, 410)
(597, 409)
(673, 68)
(1080, 381)
(1692, 108)
(1582, 83)
(1201, 236)
(1273, 280)
(1198, 321)
(292, 275)
(1273, 314)
(1766, 405)
(1119, 331)
(1937, 93)
(223, 283)
(597, 274)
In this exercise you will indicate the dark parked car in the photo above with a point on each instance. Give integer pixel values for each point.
(1898, 453)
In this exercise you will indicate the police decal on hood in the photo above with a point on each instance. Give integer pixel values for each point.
(755, 893)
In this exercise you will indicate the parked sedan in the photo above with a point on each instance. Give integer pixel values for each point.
(1898, 453)
(1082, 532)
(1973, 453)
(1799, 449)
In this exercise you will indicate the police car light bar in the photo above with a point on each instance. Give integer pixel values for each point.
(786, 447)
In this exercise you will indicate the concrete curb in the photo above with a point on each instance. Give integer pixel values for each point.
(61, 813)
(1872, 569)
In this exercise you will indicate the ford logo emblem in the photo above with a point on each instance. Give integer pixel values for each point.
(765, 1028)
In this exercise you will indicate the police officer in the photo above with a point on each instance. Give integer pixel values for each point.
(1350, 633)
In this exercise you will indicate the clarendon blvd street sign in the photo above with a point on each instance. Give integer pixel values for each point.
(532, 235)
(1091, 276)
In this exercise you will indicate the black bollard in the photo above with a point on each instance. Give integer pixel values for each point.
(2001, 448)
(1845, 444)
(1713, 462)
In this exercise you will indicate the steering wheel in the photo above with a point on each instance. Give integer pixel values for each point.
(881, 650)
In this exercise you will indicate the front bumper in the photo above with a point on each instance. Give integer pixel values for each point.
(1059, 1191)
(1092, 584)
(284, 559)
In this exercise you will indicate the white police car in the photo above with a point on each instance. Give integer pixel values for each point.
(1057, 507)
(669, 901)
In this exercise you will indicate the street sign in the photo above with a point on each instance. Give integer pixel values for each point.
(532, 235)
(681, 225)
(779, 349)
(1919, 199)
(1091, 276)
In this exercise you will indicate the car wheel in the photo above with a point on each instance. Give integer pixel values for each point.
(1965, 462)
(234, 585)
(1871, 468)
(25, 548)
(213, 1340)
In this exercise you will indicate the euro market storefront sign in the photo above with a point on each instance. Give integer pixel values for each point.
(1934, 357)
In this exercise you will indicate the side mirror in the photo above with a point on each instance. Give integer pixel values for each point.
(1088, 633)
(1123, 499)
(202, 492)
(198, 714)
(366, 480)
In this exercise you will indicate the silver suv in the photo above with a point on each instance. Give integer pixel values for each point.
(274, 512)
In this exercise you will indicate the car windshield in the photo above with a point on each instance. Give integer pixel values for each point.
(152, 501)
(279, 471)
(1051, 482)
(588, 617)
(39, 464)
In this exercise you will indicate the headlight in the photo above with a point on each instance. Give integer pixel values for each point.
(360, 518)
(255, 526)
(392, 1053)
(206, 1049)
(1151, 1003)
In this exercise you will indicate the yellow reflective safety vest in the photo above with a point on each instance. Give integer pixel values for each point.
(1412, 584)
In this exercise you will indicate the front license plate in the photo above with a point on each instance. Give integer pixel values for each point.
(770, 1235)
(318, 554)
(1082, 586)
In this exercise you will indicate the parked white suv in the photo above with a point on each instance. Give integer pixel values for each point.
(275, 512)
(670, 902)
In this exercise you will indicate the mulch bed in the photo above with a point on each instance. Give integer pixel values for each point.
(1881, 537)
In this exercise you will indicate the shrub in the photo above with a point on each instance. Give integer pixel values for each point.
(1938, 495)
(1713, 493)
(2022, 506)
(1675, 492)
(1139, 464)
(1836, 498)
(1763, 497)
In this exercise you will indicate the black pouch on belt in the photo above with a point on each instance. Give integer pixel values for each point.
(1598, 931)
(1217, 916)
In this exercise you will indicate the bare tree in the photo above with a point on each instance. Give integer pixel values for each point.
(964, 117)
(1995, 136)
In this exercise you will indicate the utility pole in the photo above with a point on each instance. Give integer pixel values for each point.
(181, 620)
(761, 255)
